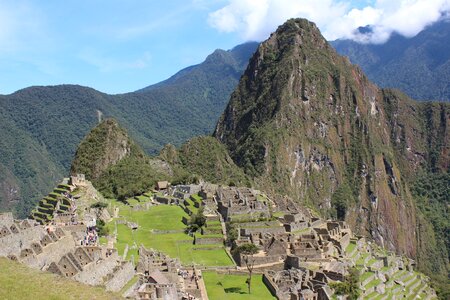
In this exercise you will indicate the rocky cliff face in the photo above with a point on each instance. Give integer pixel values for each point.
(306, 122)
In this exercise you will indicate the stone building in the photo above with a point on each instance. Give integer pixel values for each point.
(241, 203)
(296, 284)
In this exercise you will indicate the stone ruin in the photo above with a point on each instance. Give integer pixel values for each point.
(234, 203)
(78, 180)
(161, 277)
(58, 249)
(297, 284)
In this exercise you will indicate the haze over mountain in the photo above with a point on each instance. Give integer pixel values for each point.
(42, 126)
(419, 66)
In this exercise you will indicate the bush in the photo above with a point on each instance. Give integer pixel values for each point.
(102, 230)
(99, 205)
(197, 221)
(350, 286)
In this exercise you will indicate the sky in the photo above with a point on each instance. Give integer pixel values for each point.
(118, 46)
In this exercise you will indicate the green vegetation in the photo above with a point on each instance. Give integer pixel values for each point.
(117, 167)
(197, 221)
(20, 282)
(152, 233)
(99, 205)
(350, 286)
(432, 195)
(101, 228)
(247, 251)
(43, 212)
(232, 233)
(350, 248)
(41, 127)
(341, 200)
(416, 65)
(233, 287)
(131, 176)
(207, 158)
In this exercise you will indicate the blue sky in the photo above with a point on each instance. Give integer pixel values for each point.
(120, 46)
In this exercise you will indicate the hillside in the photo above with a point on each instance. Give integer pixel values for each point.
(204, 158)
(20, 282)
(42, 126)
(120, 169)
(306, 122)
(117, 167)
(419, 66)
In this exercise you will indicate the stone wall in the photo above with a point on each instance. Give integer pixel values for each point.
(260, 224)
(271, 286)
(257, 260)
(13, 243)
(121, 277)
(291, 227)
(53, 252)
(93, 273)
(6, 219)
(206, 241)
(274, 230)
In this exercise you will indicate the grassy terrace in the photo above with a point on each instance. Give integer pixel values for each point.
(197, 198)
(362, 258)
(175, 243)
(371, 262)
(350, 248)
(373, 283)
(233, 287)
(365, 276)
(191, 206)
(20, 282)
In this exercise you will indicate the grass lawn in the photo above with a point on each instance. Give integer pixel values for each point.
(20, 282)
(177, 244)
(351, 246)
(233, 287)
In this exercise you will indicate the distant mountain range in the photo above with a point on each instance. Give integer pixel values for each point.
(419, 66)
(42, 126)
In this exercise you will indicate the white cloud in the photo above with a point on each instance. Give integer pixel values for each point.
(256, 19)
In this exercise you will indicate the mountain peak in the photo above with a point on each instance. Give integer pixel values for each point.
(104, 146)
(306, 122)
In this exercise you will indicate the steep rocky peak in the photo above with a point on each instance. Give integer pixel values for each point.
(306, 122)
(295, 72)
(105, 145)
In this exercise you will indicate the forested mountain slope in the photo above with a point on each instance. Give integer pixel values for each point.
(419, 66)
(42, 126)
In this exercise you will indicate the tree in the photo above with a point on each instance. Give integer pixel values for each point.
(232, 233)
(99, 205)
(102, 230)
(247, 251)
(350, 286)
(197, 221)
